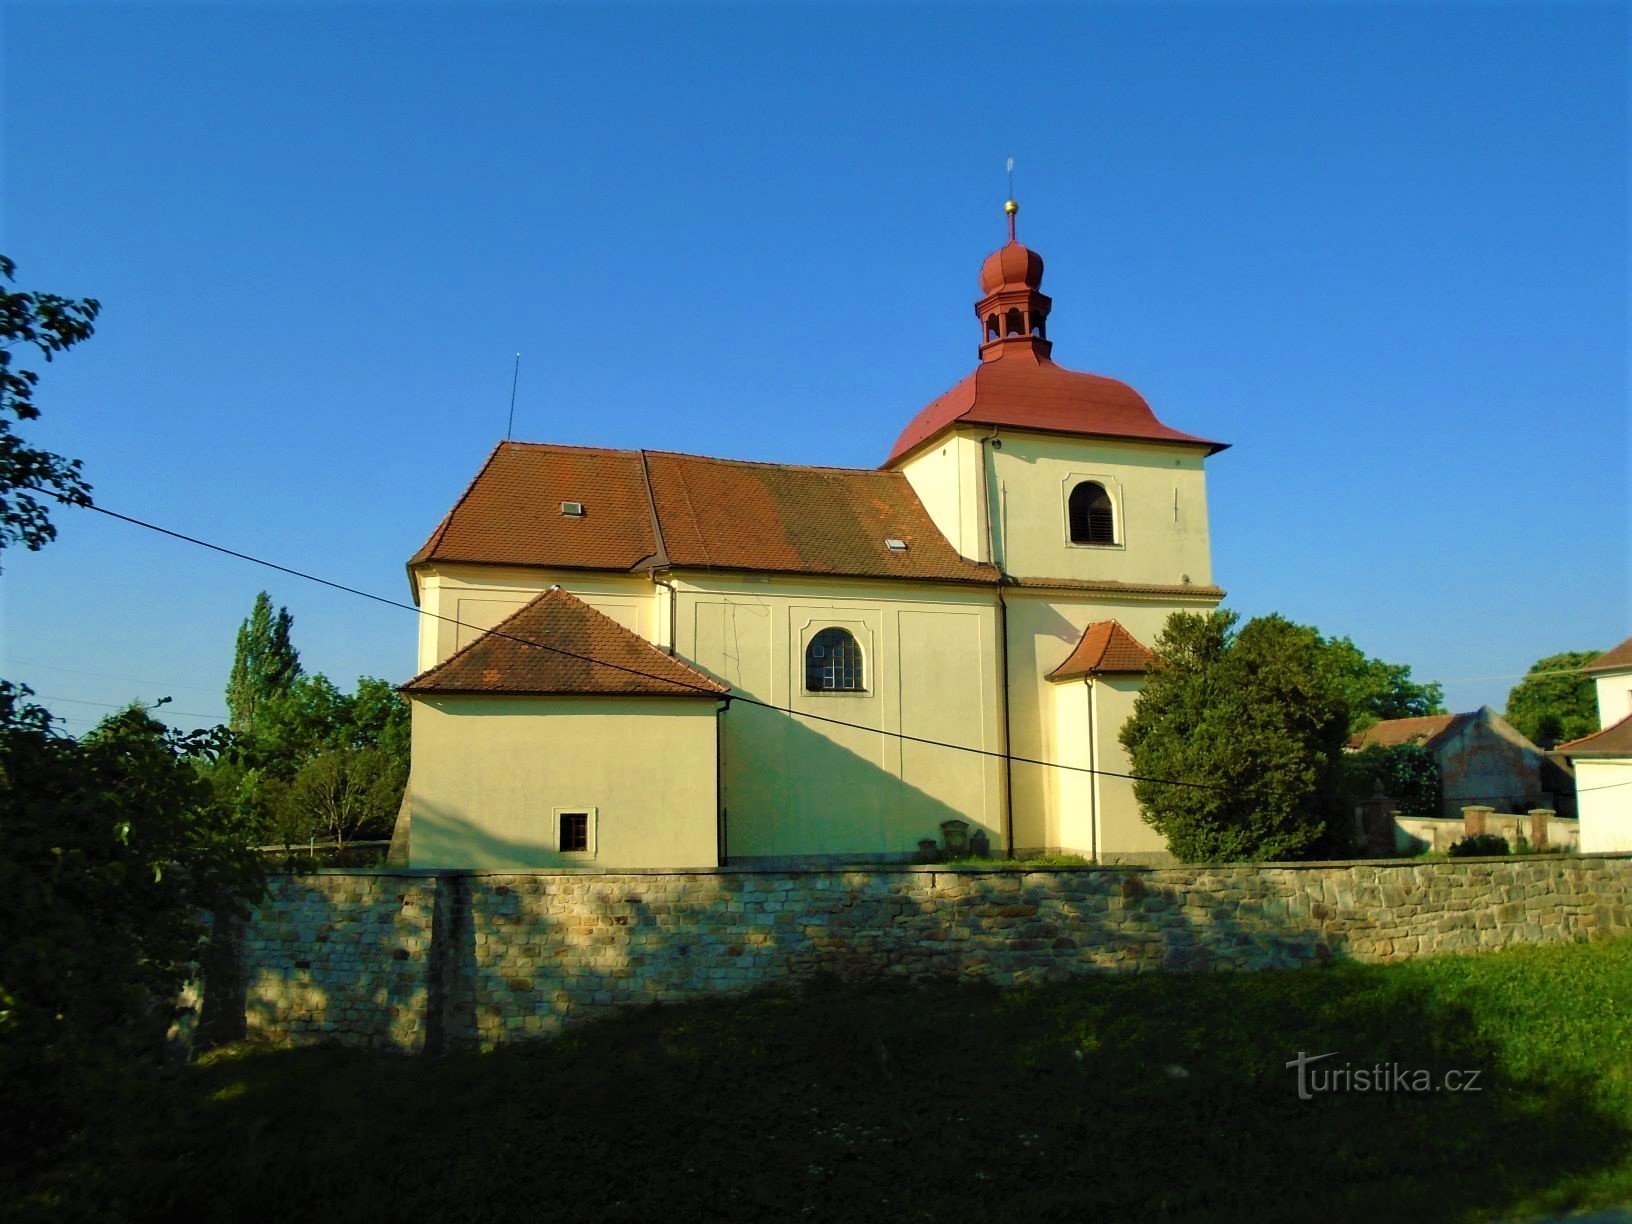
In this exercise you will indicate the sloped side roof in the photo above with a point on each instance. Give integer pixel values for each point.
(1617, 658)
(707, 513)
(1613, 741)
(548, 647)
(1105, 648)
(1392, 732)
(511, 512)
(1023, 391)
(730, 514)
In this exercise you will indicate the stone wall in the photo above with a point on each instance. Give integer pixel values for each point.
(419, 961)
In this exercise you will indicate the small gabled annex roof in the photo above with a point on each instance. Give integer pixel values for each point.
(559, 645)
(1105, 649)
(1613, 741)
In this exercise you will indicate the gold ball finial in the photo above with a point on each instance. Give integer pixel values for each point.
(1011, 207)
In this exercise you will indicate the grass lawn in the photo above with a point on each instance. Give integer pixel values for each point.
(1140, 1098)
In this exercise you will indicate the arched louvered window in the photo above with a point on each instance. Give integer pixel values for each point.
(1093, 519)
(833, 663)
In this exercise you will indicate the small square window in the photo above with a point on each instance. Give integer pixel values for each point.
(574, 833)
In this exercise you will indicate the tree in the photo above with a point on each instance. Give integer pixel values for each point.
(347, 792)
(1237, 739)
(1555, 701)
(302, 719)
(111, 849)
(380, 718)
(1374, 690)
(1406, 773)
(264, 664)
(50, 324)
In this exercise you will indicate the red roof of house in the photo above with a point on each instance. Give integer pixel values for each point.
(1105, 648)
(1020, 389)
(652, 508)
(1392, 732)
(1613, 741)
(558, 644)
(1618, 658)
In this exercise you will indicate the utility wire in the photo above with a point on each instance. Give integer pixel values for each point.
(746, 700)
(110, 705)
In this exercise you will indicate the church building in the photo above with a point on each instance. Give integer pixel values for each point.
(635, 658)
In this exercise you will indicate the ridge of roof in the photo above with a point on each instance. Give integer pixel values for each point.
(1611, 741)
(502, 661)
(693, 455)
(659, 558)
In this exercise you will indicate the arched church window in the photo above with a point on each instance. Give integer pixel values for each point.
(1037, 320)
(1093, 519)
(1015, 323)
(833, 663)
(993, 329)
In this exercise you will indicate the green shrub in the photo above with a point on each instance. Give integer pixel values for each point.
(112, 849)
(1479, 845)
(1406, 773)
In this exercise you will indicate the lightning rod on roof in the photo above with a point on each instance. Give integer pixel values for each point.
(515, 374)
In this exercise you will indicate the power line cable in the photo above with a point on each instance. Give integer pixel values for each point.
(743, 698)
(125, 705)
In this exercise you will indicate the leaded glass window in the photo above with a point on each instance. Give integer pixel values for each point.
(833, 663)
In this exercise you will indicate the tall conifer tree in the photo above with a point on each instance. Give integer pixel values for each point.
(264, 665)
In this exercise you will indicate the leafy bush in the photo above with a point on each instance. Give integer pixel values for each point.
(1479, 845)
(1406, 773)
(112, 848)
(1237, 739)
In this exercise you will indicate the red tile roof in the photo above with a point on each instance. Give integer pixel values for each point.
(1105, 648)
(1392, 732)
(646, 508)
(1022, 390)
(1613, 741)
(1618, 658)
(548, 647)
(511, 512)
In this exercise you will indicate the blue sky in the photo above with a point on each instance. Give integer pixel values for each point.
(1381, 249)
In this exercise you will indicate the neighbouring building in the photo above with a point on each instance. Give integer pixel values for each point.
(635, 658)
(1483, 759)
(1603, 761)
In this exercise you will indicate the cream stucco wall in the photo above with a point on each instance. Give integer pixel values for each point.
(1603, 795)
(1614, 697)
(796, 785)
(1023, 481)
(490, 774)
(1044, 627)
(458, 603)
(947, 479)
(1122, 834)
